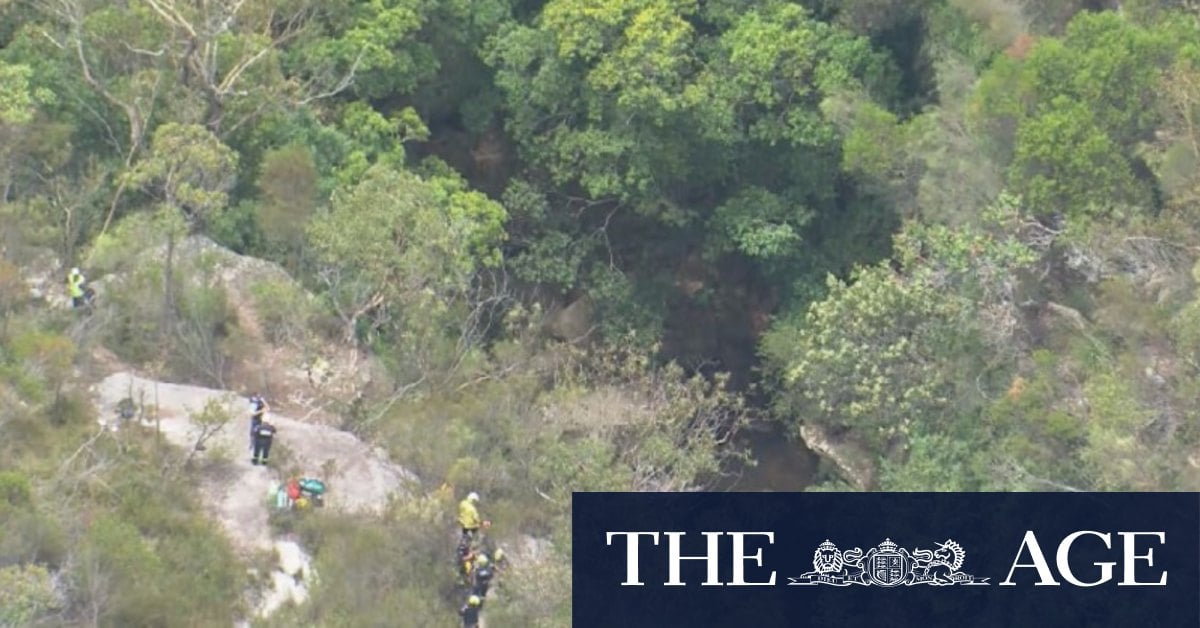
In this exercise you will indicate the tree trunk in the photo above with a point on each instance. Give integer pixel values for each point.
(168, 305)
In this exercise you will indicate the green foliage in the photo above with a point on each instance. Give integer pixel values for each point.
(123, 568)
(1115, 455)
(237, 227)
(875, 143)
(760, 224)
(396, 240)
(436, 231)
(585, 105)
(284, 310)
(26, 592)
(17, 101)
(373, 571)
(1070, 115)
(119, 248)
(288, 183)
(641, 148)
(886, 354)
(14, 490)
(935, 462)
(624, 308)
(864, 357)
(375, 41)
(1064, 161)
(554, 260)
(193, 339)
(189, 168)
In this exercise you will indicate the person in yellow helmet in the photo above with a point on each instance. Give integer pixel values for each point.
(468, 515)
(500, 559)
(75, 281)
(470, 611)
(482, 578)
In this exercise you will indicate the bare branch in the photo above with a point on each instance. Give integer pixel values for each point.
(172, 16)
(149, 53)
(346, 81)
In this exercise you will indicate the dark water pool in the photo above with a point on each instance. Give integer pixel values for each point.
(783, 464)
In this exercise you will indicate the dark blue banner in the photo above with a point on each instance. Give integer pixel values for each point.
(886, 559)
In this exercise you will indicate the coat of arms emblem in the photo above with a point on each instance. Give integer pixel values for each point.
(888, 565)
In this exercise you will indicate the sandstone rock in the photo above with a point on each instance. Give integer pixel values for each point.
(850, 457)
(573, 322)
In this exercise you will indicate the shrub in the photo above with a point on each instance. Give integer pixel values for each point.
(14, 490)
(194, 340)
(26, 592)
(372, 572)
(284, 310)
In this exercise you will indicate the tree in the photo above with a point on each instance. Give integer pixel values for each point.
(189, 169)
(288, 184)
(635, 104)
(398, 247)
(192, 172)
(1065, 162)
(889, 354)
(1176, 155)
(1072, 113)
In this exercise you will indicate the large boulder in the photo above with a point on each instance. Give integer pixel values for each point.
(852, 460)
(299, 372)
(572, 322)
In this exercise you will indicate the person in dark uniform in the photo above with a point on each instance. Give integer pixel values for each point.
(470, 611)
(259, 409)
(483, 576)
(263, 435)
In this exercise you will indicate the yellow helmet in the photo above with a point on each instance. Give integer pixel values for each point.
(481, 560)
(474, 600)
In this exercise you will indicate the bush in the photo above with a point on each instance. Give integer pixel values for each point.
(118, 249)
(31, 536)
(181, 571)
(372, 572)
(194, 341)
(14, 490)
(28, 534)
(134, 333)
(26, 592)
(284, 310)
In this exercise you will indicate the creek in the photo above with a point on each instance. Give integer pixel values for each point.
(782, 465)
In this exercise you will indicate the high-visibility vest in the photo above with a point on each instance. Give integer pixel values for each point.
(468, 516)
(75, 285)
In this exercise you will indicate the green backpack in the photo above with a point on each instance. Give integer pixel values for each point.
(311, 486)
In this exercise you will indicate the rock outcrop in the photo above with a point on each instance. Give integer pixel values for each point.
(851, 458)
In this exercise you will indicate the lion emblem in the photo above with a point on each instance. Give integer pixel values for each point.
(827, 559)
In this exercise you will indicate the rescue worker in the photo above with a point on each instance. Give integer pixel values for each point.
(499, 559)
(75, 281)
(466, 565)
(262, 443)
(468, 516)
(259, 410)
(483, 576)
(470, 611)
